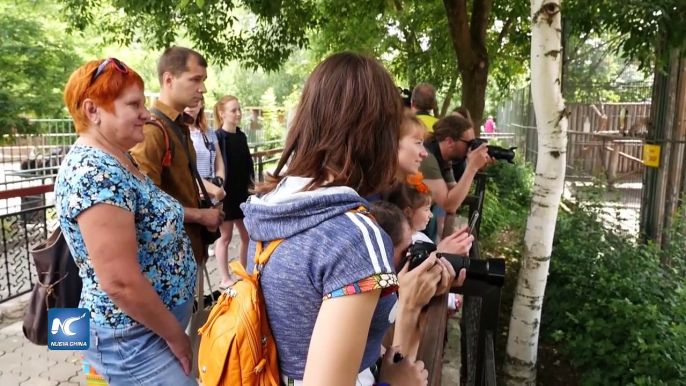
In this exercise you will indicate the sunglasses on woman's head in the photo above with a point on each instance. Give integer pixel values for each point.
(118, 65)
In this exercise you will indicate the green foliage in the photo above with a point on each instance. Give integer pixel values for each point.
(643, 24)
(596, 72)
(264, 40)
(413, 40)
(616, 312)
(269, 120)
(249, 86)
(34, 65)
(508, 196)
(411, 37)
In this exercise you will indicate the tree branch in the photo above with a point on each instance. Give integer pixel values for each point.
(456, 11)
(575, 53)
(449, 95)
(481, 13)
(620, 73)
(506, 30)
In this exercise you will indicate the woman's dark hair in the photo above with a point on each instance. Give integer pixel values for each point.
(390, 218)
(451, 127)
(405, 196)
(346, 128)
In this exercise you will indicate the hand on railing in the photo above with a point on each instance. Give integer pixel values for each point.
(406, 372)
(448, 276)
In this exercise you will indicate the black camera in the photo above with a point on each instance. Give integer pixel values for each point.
(491, 271)
(496, 152)
(216, 181)
(406, 96)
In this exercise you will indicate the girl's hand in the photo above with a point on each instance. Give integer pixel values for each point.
(458, 243)
(407, 372)
(218, 193)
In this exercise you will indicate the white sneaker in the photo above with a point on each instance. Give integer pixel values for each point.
(210, 250)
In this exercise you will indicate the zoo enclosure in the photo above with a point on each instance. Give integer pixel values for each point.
(604, 143)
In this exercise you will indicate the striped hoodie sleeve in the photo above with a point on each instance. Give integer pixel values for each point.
(357, 258)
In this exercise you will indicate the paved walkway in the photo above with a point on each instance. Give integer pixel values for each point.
(23, 363)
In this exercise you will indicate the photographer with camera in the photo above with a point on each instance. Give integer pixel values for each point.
(451, 141)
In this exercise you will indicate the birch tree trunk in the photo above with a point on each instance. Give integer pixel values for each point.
(551, 118)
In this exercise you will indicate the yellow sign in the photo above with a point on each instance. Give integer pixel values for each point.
(651, 155)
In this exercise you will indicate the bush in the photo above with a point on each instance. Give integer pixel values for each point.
(617, 313)
(508, 197)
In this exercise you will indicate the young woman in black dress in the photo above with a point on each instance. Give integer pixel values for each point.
(240, 176)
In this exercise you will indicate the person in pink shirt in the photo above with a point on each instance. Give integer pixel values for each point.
(489, 126)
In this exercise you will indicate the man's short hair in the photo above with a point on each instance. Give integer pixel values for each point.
(175, 61)
(424, 97)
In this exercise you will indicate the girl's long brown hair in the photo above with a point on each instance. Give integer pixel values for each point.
(346, 129)
(201, 119)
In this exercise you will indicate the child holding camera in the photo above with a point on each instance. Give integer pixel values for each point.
(414, 198)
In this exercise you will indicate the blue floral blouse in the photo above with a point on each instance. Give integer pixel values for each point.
(89, 176)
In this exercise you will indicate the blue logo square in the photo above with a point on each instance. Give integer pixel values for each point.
(69, 329)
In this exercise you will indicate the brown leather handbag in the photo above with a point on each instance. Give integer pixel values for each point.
(58, 286)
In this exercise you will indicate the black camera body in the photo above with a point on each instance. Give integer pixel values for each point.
(496, 152)
(406, 96)
(216, 181)
(491, 271)
(419, 252)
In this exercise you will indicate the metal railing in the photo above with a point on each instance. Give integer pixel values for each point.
(48, 152)
(481, 309)
(20, 232)
(480, 314)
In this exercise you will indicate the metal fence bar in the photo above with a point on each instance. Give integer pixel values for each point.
(481, 308)
(20, 232)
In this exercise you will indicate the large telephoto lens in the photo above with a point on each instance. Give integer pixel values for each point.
(491, 271)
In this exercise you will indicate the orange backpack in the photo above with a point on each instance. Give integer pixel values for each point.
(237, 347)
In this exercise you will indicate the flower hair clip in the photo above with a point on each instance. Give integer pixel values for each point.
(416, 181)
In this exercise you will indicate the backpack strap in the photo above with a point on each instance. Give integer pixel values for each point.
(262, 256)
(169, 145)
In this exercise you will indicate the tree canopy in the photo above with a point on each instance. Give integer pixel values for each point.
(264, 40)
(34, 65)
(472, 50)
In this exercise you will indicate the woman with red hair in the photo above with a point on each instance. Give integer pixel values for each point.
(125, 235)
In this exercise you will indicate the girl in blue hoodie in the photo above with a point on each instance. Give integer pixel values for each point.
(329, 288)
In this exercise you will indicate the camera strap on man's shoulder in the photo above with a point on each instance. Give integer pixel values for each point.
(169, 145)
(191, 163)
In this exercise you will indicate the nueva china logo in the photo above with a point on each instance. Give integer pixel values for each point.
(69, 329)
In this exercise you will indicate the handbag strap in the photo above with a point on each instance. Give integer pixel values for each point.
(182, 138)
